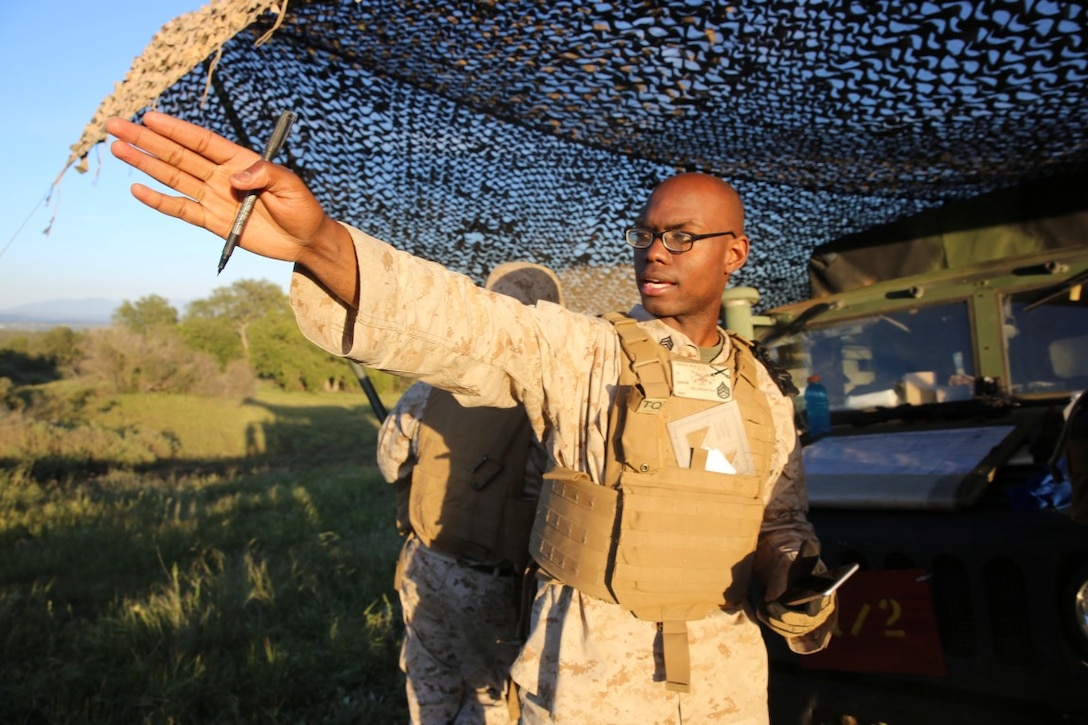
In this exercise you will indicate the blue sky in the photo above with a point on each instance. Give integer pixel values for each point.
(56, 66)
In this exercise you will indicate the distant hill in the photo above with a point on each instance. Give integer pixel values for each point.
(70, 312)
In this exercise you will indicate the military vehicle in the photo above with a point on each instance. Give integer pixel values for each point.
(950, 344)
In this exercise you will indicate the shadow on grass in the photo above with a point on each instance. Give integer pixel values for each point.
(313, 434)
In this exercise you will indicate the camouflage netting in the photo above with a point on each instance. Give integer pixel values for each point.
(474, 133)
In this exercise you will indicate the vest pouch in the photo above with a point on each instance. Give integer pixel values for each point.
(453, 517)
(572, 532)
(686, 542)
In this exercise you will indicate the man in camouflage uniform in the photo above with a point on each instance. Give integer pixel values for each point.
(586, 659)
(459, 579)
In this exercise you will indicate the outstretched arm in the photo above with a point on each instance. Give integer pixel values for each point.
(212, 174)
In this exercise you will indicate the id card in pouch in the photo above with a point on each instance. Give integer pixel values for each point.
(720, 432)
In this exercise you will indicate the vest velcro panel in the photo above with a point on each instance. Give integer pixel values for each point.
(572, 536)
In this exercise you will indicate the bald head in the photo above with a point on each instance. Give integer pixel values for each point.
(716, 198)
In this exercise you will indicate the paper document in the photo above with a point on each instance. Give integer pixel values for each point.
(720, 432)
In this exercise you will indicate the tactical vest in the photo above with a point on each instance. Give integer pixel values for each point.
(669, 542)
(467, 491)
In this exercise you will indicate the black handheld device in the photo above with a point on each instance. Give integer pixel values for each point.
(817, 586)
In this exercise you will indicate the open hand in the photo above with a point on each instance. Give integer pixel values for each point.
(212, 175)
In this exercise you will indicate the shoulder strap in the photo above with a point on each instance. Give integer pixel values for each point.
(646, 359)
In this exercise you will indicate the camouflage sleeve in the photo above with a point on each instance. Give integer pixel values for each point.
(418, 319)
(398, 435)
(785, 519)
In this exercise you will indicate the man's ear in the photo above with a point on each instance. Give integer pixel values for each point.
(736, 254)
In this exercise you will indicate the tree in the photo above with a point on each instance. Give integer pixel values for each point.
(61, 346)
(240, 305)
(158, 362)
(215, 336)
(280, 353)
(145, 314)
(251, 320)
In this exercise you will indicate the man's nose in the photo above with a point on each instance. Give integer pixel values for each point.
(657, 252)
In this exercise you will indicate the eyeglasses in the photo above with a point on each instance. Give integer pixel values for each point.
(674, 240)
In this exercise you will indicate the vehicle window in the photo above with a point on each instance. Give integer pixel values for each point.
(1047, 346)
(912, 357)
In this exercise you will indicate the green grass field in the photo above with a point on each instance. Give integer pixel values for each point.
(174, 559)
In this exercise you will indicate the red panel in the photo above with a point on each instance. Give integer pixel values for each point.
(886, 625)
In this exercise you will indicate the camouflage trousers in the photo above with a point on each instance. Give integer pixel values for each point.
(460, 638)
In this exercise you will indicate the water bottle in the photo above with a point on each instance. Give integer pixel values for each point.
(817, 408)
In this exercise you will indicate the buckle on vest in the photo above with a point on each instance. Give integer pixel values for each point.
(484, 472)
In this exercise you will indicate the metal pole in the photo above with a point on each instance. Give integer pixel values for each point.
(368, 387)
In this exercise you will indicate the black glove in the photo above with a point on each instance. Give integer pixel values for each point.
(790, 617)
(796, 621)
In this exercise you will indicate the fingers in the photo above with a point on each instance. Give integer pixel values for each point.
(178, 207)
(160, 170)
(819, 607)
(201, 205)
(212, 173)
(204, 143)
(796, 622)
(155, 146)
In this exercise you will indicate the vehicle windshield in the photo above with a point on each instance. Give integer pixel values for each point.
(922, 355)
(1047, 346)
(926, 355)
